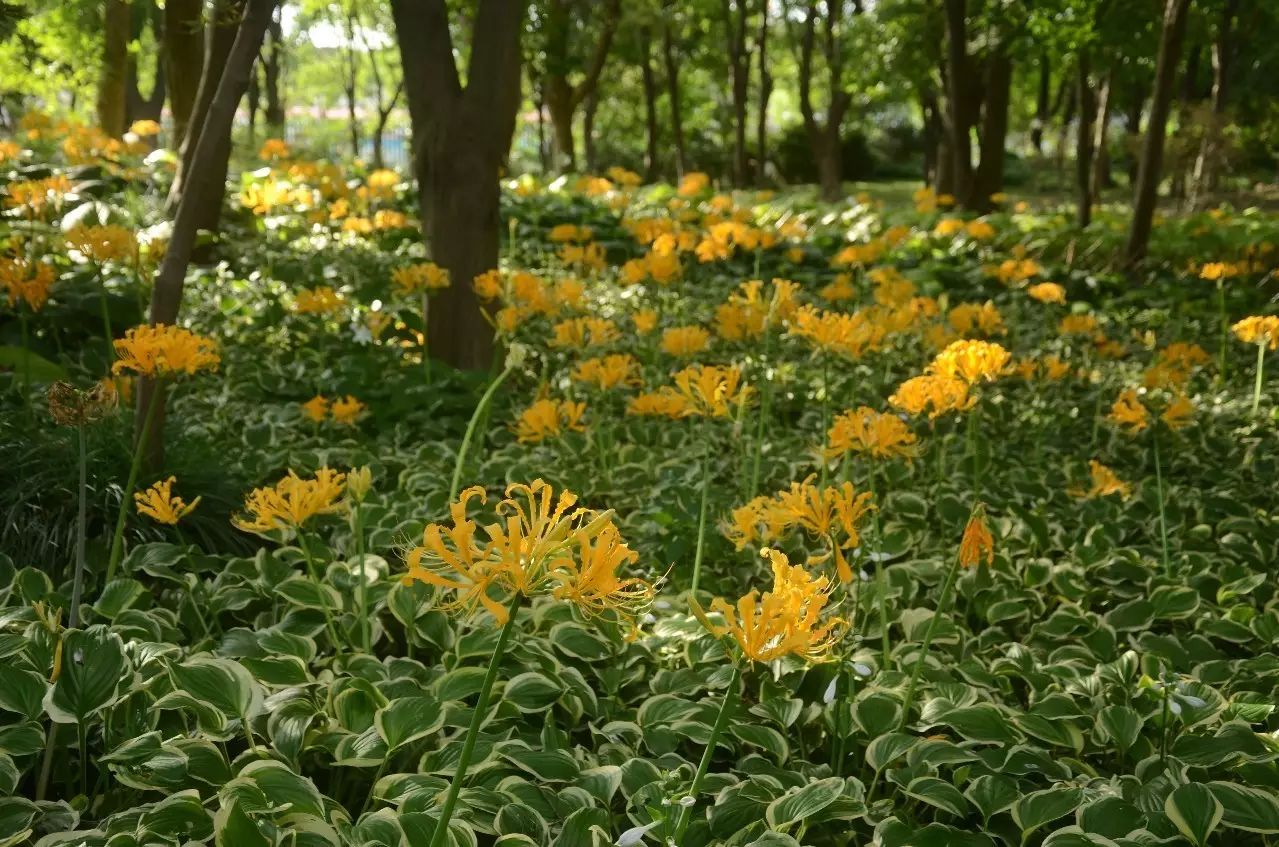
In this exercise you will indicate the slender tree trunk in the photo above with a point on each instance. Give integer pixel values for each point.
(1205, 176)
(959, 99)
(652, 155)
(205, 185)
(765, 93)
(1041, 104)
(734, 14)
(272, 67)
(543, 154)
(117, 25)
(220, 33)
(559, 103)
(183, 49)
(253, 98)
(1178, 167)
(931, 133)
(673, 96)
(1171, 37)
(589, 109)
(1136, 102)
(1101, 134)
(1084, 139)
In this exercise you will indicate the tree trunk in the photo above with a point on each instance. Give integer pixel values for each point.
(461, 136)
(989, 178)
(1173, 33)
(272, 65)
(765, 93)
(1101, 134)
(563, 98)
(589, 110)
(543, 154)
(652, 155)
(734, 14)
(139, 106)
(205, 184)
(117, 26)
(1205, 177)
(1189, 94)
(673, 95)
(830, 166)
(1132, 129)
(1084, 139)
(252, 99)
(1041, 104)
(220, 34)
(931, 134)
(183, 50)
(559, 103)
(960, 105)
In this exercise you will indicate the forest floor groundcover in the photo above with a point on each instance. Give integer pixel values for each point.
(774, 523)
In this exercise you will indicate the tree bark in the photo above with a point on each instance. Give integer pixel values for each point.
(461, 136)
(183, 49)
(824, 139)
(1041, 104)
(117, 26)
(1205, 176)
(272, 67)
(961, 108)
(1084, 139)
(219, 37)
(350, 82)
(563, 97)
(739, 61)
(765, 93)
(673, 93)
(989, 178)
(1171, 37)
(206, 184)
(652, 155)
(1101, 179)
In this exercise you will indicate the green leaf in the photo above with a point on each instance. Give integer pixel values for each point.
(803, 802)
(1247, 808)
(939, 793)
(408, 719)
(282, 786)
(532, 692)
(233, 828)
(1195, 811)
(24, 361)
(222, 684)
(94, 669)
(884, 749)
(1041, 807)
(1119, 725)
(22, 691)
(982, 722)
(119, 594)
(992, 794)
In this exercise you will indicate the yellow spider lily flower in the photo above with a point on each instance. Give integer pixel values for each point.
(159, 503)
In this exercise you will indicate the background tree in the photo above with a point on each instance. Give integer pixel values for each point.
(117, 26)
(570, 46)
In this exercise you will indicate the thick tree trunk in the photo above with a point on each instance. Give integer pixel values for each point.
(1084, 140)
(205, 185)
(1041, 104)
(461, 136)
(183, 50)
(989, 178)
(220, 34)
(765, 93)
(830, 166)
(112, 82)
(960, 101)
(652, 154)
(673, 96)
(1173, 33)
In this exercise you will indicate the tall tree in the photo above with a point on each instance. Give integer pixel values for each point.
(206, 183)
(272, 68)
(652, 155)
(563, 20)
(461, 136)
(183, 50)
(1223, 48)
(735, 14)
(139, 106)
(673, 92)
(824, 135)
(1152, 152)
(765, 93)
(112, 85)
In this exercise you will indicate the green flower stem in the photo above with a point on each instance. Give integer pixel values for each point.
(139, 445)
(319, 584)
(765, 401)
(440, 835)
(942, 602)
(821, 482)
(972, 450)
(881, 584)
(1159, 485)
(1225, 330)
(77, 583)
(701, 512)
(366, 625)
(731, 698)
(1256, 385)
(426, 352)
(480, 409)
